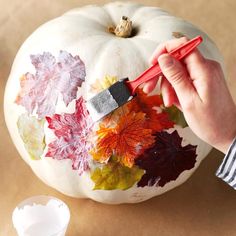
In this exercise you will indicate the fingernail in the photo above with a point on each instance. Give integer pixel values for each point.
(165, 60)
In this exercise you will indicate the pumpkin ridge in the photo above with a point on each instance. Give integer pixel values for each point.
(84, 11)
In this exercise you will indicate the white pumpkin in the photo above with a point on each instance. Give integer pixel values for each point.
(64, 49)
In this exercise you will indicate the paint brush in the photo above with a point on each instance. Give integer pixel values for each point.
(123, 90)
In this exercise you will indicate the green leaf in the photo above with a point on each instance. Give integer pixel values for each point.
(116, 176)
(177, 116)
(32, 134)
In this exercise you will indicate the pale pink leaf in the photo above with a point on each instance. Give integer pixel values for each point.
(40, 91)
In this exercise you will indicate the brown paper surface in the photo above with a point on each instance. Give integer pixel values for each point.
(204, 205)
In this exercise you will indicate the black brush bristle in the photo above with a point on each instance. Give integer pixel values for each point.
(120, 92)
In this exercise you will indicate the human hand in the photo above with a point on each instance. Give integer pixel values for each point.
(197, 86)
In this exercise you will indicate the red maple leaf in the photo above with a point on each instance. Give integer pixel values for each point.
(145, 102)
(72, 133)
(156, 120)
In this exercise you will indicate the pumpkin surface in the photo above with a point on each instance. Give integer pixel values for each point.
(140, 150)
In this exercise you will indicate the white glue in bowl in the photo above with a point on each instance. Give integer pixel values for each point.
(41, 216)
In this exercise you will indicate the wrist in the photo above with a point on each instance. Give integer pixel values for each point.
(226, 143)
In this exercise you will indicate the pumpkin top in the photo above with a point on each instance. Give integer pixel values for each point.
(123, 29)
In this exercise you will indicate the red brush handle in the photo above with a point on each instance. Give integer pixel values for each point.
(152, 72)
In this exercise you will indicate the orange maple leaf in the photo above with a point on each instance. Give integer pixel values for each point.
(157, 121)
(114, 117)
(145, 102)
(128, 139)
(105, 144)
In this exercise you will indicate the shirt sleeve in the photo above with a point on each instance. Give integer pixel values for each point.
(227, 169)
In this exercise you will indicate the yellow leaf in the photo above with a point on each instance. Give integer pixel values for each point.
(116, 176)
(32, 134)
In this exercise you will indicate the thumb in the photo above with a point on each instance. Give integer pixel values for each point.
(178, 77)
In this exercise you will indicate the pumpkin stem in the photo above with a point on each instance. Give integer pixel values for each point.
(123, 29)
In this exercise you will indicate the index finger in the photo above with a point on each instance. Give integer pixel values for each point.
(166, 47)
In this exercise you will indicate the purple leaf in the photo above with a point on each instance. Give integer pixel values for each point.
(165, 160)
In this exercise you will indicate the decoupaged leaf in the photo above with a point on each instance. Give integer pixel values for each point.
(177, 35)
(177, 116)
(106, 142)
(145, 102)
(72, 133)
(40, 91)
(111, 119)
(116, 176)
(158, 121)
(104, 83)
(165, 160)
(32, 134)
(155, 120)
(127, 139)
